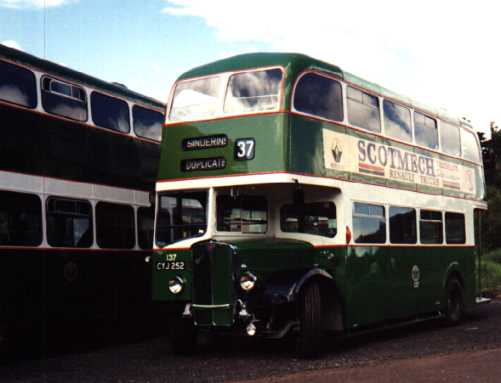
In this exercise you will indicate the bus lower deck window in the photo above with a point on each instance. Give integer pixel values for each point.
(317, 218)
(430, 227)
(20, 219)
(145, 218)
(403, 225)
(69, 222)
(114, 226)
(369, 223)
(245, 214)
(455, 228)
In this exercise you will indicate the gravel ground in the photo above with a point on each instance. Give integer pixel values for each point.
(152, 361)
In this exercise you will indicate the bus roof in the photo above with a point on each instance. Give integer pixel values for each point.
(295, 63)
(71, 74)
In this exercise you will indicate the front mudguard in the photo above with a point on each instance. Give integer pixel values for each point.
(284, 287)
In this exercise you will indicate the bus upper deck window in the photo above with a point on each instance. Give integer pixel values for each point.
(397, 121)
(450, 139)
(147, 123)
(363, 110)
(469, 145)
(110, 112)
(196, 99)
(319, 96)
(425, 131)
(253, 91)
(17, 85)
(63, 99)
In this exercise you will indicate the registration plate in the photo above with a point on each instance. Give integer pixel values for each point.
(170, 265)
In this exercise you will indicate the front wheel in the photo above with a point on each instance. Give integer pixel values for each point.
(310, 320)
(454, 309)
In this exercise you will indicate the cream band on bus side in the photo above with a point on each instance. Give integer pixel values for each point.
(352, 154)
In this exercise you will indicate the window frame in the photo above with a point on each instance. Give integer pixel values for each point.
(85, 102)
(279, 95)
(416, 211)
(129, 206)
(91, 220)
(64, 82)
(41, 216)
(352, 212)
(330, 76)
(475, 140)
(129, 114)
(446, 241)
(133, 126)
(379, 104)
(323, 201)
(269, 222)
(443, 227)
(412, 141)
(158, 210)
(225, 76)
(426, 115)
(34, 77)
(139, 219)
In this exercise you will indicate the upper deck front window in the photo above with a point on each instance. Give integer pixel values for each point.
(253, 91)
(196, 99)
(320, 96)
(226, 94)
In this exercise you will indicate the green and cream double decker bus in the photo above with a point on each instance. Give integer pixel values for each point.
(294, 197)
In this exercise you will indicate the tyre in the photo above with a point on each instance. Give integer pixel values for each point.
(310, 321)
(183, 336)
(454, 302)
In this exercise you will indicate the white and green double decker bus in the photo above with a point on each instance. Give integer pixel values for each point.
(294, 197)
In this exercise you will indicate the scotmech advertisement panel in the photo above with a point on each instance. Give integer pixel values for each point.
(348, 153)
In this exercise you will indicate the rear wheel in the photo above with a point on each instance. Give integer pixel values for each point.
(454, 309)
(310, 320)
(183, 336)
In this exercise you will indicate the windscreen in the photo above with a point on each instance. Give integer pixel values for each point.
(253, 91)
(196, 99)
(181, 215)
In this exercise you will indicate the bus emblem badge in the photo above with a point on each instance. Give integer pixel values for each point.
(337, 151)
(416, 276)
(70, 271)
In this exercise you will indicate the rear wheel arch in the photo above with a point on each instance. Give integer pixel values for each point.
(453, 272)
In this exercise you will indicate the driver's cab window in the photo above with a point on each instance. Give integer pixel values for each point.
(246, 214)
(181, 215)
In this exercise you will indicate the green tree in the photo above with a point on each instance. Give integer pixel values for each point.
(491, 152)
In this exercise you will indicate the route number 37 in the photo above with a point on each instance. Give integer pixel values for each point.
(245, 149)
